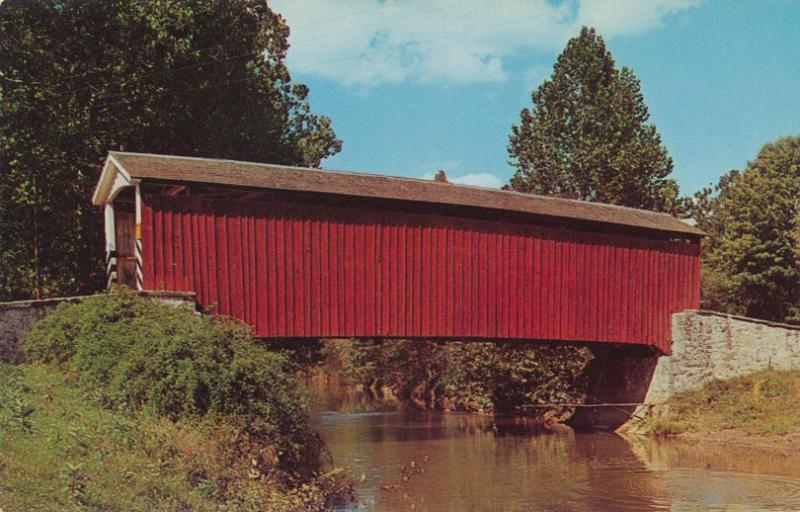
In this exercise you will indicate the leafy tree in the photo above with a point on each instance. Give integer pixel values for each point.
(586, 136)
(79, 78)
(751, 258)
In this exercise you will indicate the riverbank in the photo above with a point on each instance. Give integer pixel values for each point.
(130, 404)
(59, 450)
(761, 410)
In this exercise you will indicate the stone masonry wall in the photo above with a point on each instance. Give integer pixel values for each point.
(709, 346)
(16, 318)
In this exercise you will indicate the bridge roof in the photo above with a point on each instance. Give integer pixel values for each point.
(132, 167)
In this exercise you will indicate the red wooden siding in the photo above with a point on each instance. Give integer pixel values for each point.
(313, 270)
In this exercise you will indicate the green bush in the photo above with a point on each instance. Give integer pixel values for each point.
(135, 354)
(59, 451)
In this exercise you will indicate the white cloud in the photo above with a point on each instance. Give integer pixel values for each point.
(447, 41)
(475, 179)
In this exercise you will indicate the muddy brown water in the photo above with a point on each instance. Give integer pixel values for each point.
(458, 462)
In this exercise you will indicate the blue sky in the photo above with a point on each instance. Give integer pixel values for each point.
(413, 86)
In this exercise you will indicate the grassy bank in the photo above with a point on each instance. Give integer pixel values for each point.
(58, 451)
(130, 404)
(762, 404)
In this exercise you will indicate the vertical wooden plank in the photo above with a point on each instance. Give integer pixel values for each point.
(247, 265)
(169, 240)
(261, 277)
(244, 269)
(234, 259)
(221, 260)
(308, 275)
(334, 273)
(474, 277)
(694, 267)
(659, 295)
(612, 319)
(403, 281)
(506, 263)
(369, 275)
(491, 272)
(213, 248)
(323, 250)
(579, 330)
(297, 282)
(449, 277)
(289, 261)
(457, 254)
(252, 271)
(188, 250)
(380, 283)
(155, 248)
(589, 286)
(557, 311)
(418, 284)
(426, 265)
(177, 249)
(534, 301)
(270, 268)
(601, 269)
(202, 241)
(483, 283)
(503, 262)
(467, 311)
(443, 304)
(543, 293)
(523, 285)
(197, 247)
(648, 291)
(348, 279)
(281, 293)
(255, 270)
(390, 300)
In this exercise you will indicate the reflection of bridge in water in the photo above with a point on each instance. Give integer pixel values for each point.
(302, 253)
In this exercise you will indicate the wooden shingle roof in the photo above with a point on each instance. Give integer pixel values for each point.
(138, 167)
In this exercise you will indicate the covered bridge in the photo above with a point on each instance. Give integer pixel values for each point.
(306, 253)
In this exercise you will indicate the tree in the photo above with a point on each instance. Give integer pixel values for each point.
(79, 78)
(751, 258)
(586, 136)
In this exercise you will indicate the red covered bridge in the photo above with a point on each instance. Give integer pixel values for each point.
(305, 253)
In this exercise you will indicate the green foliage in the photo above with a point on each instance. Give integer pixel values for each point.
(586, 136)
(198, 77)
(512, 375)
(761, 403)
(135, 354)
(468, 376)
(80, 456)
(750, 261)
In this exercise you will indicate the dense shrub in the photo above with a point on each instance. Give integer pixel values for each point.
(468, 376)
(59, 451)
(140, 355)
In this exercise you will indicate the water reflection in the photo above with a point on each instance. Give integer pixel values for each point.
(476, 464)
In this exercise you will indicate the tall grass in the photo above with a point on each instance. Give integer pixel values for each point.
(761, 403)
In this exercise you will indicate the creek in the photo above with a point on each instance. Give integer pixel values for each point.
(434, 461)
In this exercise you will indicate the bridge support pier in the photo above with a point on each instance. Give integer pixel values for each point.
(618, 374)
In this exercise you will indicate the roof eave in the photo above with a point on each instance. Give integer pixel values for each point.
(112, 170)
